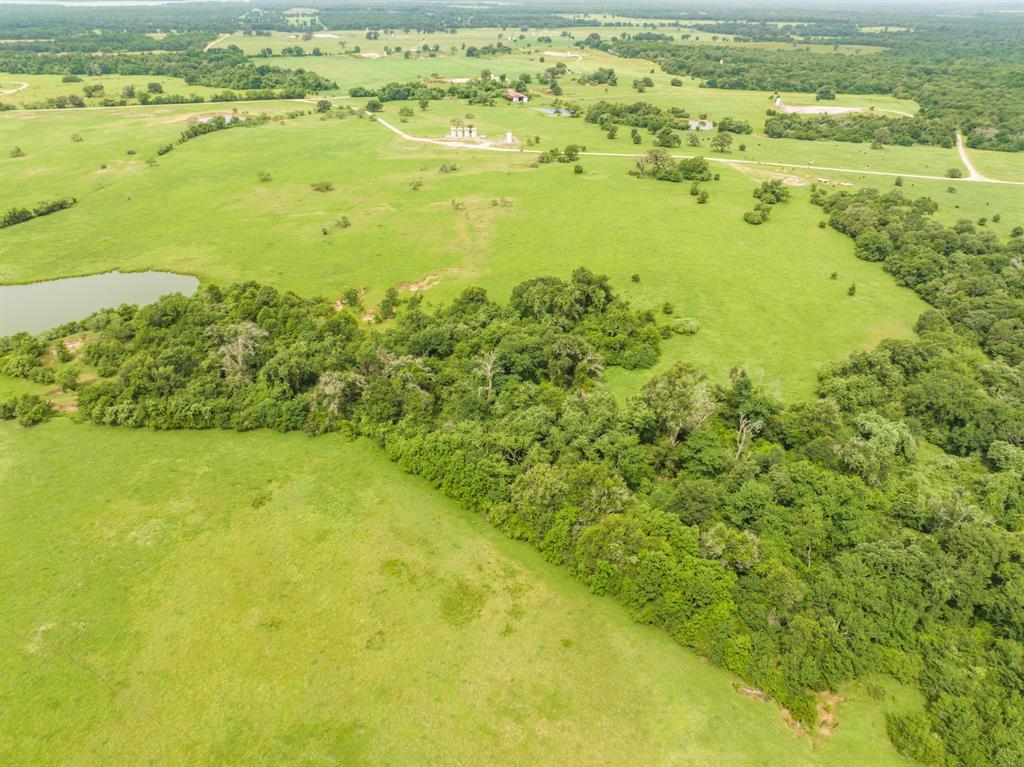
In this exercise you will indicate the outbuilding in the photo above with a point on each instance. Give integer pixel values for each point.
(516, 97)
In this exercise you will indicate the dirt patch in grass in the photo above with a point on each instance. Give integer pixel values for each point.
(751, 692)
(427, 282)
(818, 109)
(827, 721)
(759, 173)
(196, 116)
(37, 637)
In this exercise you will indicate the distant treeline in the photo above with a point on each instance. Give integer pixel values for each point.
(109, 42)
(74, 101)
(218, 68)
(35, 22)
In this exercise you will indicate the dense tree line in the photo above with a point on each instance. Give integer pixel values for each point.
(35, 22)
(957, 396)
(108, 41)
(640, 114)
(217, 68)
(861, 128)
(799, 546)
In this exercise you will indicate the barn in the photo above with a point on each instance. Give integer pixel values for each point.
(516, 97)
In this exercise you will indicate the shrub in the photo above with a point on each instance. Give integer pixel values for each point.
(67, 379)
(28, 409)
(685, 326)
(757, 216)
(954, 173)
(321, 186)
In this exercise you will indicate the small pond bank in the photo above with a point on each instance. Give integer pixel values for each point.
(41, 306)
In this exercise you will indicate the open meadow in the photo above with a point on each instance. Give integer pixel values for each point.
(257, 598)
(493, 222)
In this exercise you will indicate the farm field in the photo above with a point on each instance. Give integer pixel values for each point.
(342, 611)
(494, 222)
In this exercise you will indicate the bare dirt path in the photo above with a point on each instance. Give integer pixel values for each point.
(218, 41)
(972, 172)
(19, 87)
(977, 177)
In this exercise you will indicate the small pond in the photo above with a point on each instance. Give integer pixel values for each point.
(555, 111)
(44, 305)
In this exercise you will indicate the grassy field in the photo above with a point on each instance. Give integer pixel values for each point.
(42, 87)
(762, 295)
(333, 41)
(262, 598)
(1002, 165)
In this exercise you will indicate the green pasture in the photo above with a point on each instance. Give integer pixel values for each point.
(1002, 165)
(527, 120)
(967, 200)
(42, 87)
(264, 599)
(350, 70)
(120, 138)
(763, 295)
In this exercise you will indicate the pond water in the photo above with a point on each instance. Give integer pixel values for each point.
(555, 111)
(45, 305)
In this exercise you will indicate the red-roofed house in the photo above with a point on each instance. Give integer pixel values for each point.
(516, 97)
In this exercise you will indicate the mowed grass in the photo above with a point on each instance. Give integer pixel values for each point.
(762, 295)
(223, 598)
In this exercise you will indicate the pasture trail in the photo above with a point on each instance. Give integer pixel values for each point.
(216, 42)
(972, 172)
(19, 86)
